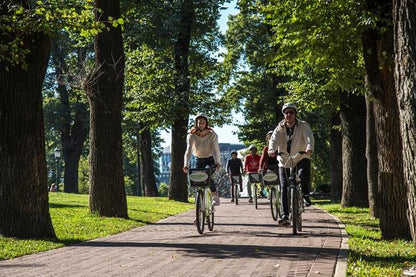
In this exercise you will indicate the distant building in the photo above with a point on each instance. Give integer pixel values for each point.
(165, 159)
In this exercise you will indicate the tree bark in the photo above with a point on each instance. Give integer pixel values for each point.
(372, 161)
(178, 188)
(378, 56)
(336, 160)
(405, 67)
(355, 187)
(104, 88)
(148, 169)
(24, 208)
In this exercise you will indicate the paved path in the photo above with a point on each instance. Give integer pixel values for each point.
(245, 242)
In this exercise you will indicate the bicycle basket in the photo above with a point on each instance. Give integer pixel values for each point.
(254, 178)
(270, 178)
(236, 179)
(198, 177)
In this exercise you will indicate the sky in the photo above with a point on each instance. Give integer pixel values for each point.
(225, 133)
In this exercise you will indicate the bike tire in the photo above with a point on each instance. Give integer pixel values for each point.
(300, 200)
(255, 195)
(200, 211)
(274, 204)
(294, 209)
(236, 192)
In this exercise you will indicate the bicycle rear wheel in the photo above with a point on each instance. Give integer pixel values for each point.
(294, 209)
(200, 211)
(274, 203)
(255, 195)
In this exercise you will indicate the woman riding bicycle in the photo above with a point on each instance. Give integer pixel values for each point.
(251, 165)
(202, 142)
(291, 136)
(234, 168)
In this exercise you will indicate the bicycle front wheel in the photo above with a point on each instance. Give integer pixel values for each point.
(210, 219)
(255, 194)
(236, 192)
(274, 203)
(294, 209)
(200, 211)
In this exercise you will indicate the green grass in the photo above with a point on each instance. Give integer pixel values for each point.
(73, 222)
(369, 255)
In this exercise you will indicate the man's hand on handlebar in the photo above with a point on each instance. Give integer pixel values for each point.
(185, 169)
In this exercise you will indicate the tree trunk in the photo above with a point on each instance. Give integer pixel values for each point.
(72, 136)
(24, 209)
(405, 67)
(148, 169)
(378, 57)
(139, 166)
(178, 189)
(336, 160)
(372, 161)
(355, 187)
(104, 88)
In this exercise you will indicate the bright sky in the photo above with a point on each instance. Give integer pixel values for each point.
(225, 133)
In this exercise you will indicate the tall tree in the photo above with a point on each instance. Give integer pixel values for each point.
(404, 17)
(104, 88)
(178, 189)
(372, 161)
(336, 159)
(24, 210)
(378, 52)
(74, 117)
(355, 188)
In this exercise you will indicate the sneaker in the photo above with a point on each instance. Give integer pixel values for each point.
(307, 201)
(410, 272)
(215, 200)
(232, 200)
(250, 200)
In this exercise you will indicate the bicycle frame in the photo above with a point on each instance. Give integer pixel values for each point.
(271, 181)
(255, 181)
(235, 185)
(200, 179)
(295, 199)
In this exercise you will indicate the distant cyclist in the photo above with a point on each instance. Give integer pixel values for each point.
(291, 136)
(251, 165)
(234, 168)
(202, 142)
(267, 162)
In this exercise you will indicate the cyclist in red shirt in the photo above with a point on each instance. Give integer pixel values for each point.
(251, 165)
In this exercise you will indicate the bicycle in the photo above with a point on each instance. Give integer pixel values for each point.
(255, 182)
(271, 181)
(200, 179)
(296, 205)
(236, 183)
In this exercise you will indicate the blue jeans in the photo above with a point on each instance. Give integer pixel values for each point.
(303, 169)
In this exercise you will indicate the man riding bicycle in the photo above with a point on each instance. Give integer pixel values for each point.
(234, 168)
(291, 136)
(251, 165)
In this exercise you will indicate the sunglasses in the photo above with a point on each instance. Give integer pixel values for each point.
(290, 112)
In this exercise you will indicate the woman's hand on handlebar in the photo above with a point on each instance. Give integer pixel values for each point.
(218, 166)
(185, 169)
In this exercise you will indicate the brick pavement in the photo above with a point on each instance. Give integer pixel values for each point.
(245, 242)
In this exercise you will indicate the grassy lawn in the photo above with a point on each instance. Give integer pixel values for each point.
(368, 254)
(73, 223)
